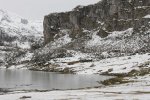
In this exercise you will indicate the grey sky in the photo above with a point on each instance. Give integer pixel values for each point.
(36, 9)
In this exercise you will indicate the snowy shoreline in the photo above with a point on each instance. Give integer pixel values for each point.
(108, 66)
(139, 85)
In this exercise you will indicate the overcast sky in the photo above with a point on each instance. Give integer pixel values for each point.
(36, 9)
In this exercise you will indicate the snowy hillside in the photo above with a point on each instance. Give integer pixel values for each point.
(17, 33)
(13, 26)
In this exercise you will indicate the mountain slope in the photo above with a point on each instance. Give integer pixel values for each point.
(13, 26)
(17, 34)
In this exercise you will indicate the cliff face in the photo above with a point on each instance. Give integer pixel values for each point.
(106, 15)
(110, 28)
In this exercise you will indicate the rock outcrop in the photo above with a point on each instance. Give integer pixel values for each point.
(106, 15)
(107, 29)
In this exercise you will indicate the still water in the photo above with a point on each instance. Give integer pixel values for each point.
(28, 80)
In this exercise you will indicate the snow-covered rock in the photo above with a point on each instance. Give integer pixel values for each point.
(118, 65)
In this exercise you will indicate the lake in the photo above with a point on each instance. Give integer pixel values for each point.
(30, 80)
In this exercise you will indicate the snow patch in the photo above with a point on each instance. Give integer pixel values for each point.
(147, 16)
(96, 40)
(117, 65)
(61, 41)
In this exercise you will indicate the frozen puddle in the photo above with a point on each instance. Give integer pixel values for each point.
(29, 80)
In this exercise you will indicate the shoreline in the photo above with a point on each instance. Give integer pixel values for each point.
(135, 81)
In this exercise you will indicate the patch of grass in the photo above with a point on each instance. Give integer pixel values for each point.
(80, 61)
(141, 72)
(74, 62)
(67, 71)
(142, 92)
(4, 90)
(35, 90)
(116, 80)
(120, 77)
(25, 97)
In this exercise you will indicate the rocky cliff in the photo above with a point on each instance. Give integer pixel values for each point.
(109, 28)
(106, 15)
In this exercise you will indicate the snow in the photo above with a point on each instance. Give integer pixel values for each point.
(147, 16)
(27, 56)
(2, 56)
(12, 25)
(120, 34)
(62, 40)
(21, 66)
(117, 64)
(96, 40)
(18, 33)
(117, 40)
(37, 25)
(76, 56)
(111, 39)
(23, 45)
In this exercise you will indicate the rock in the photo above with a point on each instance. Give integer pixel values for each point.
(24, 21)
(116, 15)
(110, 70)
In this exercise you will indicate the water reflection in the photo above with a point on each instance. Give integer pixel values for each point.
(25, 79)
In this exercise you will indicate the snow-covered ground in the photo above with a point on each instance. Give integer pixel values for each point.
(111, 65)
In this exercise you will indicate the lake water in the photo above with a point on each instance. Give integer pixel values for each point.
(28, 80)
